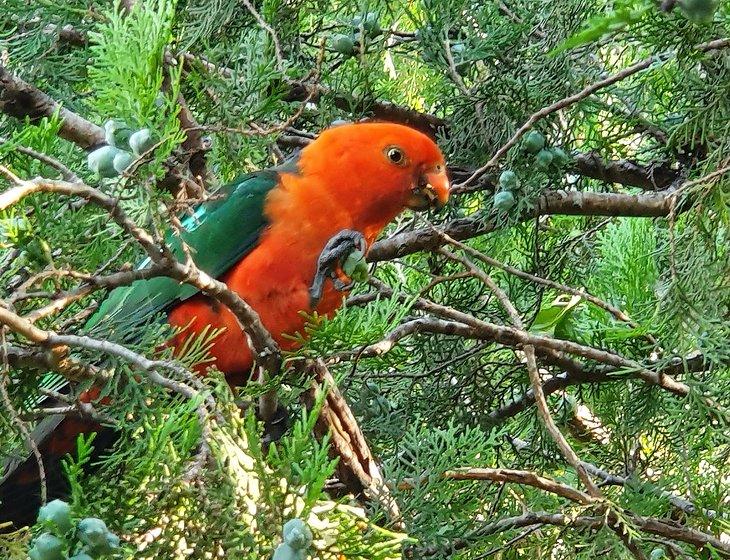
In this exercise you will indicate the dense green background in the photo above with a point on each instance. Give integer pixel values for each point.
(434, 402)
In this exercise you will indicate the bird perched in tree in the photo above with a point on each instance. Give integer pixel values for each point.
(277, 238)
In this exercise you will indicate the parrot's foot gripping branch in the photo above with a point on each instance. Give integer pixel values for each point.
(342, 260)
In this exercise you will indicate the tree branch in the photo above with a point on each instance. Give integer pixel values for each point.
(575, 203)
(585, 92)
(645, 524)
(527, 478)
(625, 172)
(266, 350)
(22, 100)
(595, 375)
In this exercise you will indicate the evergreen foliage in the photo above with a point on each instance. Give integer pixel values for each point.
(431, 403)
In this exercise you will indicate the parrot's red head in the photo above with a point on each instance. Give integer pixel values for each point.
(382, 168)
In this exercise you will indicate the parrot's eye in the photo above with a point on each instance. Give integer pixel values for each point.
(395, 155)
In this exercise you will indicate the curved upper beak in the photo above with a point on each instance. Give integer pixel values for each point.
(431, 191)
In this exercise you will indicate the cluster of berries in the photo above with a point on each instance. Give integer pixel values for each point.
(89, 538)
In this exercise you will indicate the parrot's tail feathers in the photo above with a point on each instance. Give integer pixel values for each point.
(20, 485)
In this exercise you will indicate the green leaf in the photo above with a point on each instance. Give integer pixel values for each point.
(554, 318)
(596, 28)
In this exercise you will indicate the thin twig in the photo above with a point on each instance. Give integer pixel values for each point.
(66, 173)
(20, 424)
(270, 30)
(527, 478)
(542, 407)
(571, 99)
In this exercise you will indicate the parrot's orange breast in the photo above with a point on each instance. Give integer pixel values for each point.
(274, 278)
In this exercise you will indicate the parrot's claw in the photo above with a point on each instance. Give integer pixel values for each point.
(332, 260)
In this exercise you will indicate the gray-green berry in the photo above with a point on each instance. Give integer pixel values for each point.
(534, 141)
(286, 552)
(141, 141)
(560, 158)
(355, 266)
(543, 158)
(370, 24)
(699, 11)
(117, 133)
(504, 200)
(122, 161)
(508, 180)
(93, 531)
(297, 534)
(101, 161)
(49, 547)
(457, 49)
(343, 44)
(57, 512)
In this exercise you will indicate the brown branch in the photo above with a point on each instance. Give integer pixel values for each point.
(430, 125)
(595, 375)
(527, 478)
(608, 479)
(71, 36)
(575, 203)
(93, 283)
(468, 326)
(357, 468)
(529, 350)
(58, 345)
(645, 524)
(22, 100)
(617, 313)
(193, 146)
(151, 367)
(585, 92)
(270, 30)
(625, 172)
(477, 329)
(66, 173)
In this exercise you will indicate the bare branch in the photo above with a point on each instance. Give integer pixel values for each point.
(645, 524)
(617, 313)
(542, 407)
(467, 326)
(67, 174)
(527, 478)
(553, 202)
(357, 468)
(270, 30)
(570, 100)
(20, 99)
(594, 375)
(625, 172)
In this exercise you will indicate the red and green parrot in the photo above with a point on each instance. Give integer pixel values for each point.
(276, 238)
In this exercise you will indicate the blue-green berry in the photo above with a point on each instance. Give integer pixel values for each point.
(57, 512)
(504, 200)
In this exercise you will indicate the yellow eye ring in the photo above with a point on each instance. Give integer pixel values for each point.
(396, 156)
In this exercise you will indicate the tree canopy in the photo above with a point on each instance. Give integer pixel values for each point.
(541, 370)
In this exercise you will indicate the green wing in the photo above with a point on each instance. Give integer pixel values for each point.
(219, 234)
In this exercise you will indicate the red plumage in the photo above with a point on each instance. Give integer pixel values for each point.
(356, 177)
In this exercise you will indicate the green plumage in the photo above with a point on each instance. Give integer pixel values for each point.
(219, 234)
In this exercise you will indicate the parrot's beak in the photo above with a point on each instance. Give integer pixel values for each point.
(431, 191)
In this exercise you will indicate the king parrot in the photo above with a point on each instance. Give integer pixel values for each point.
(263, 235)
